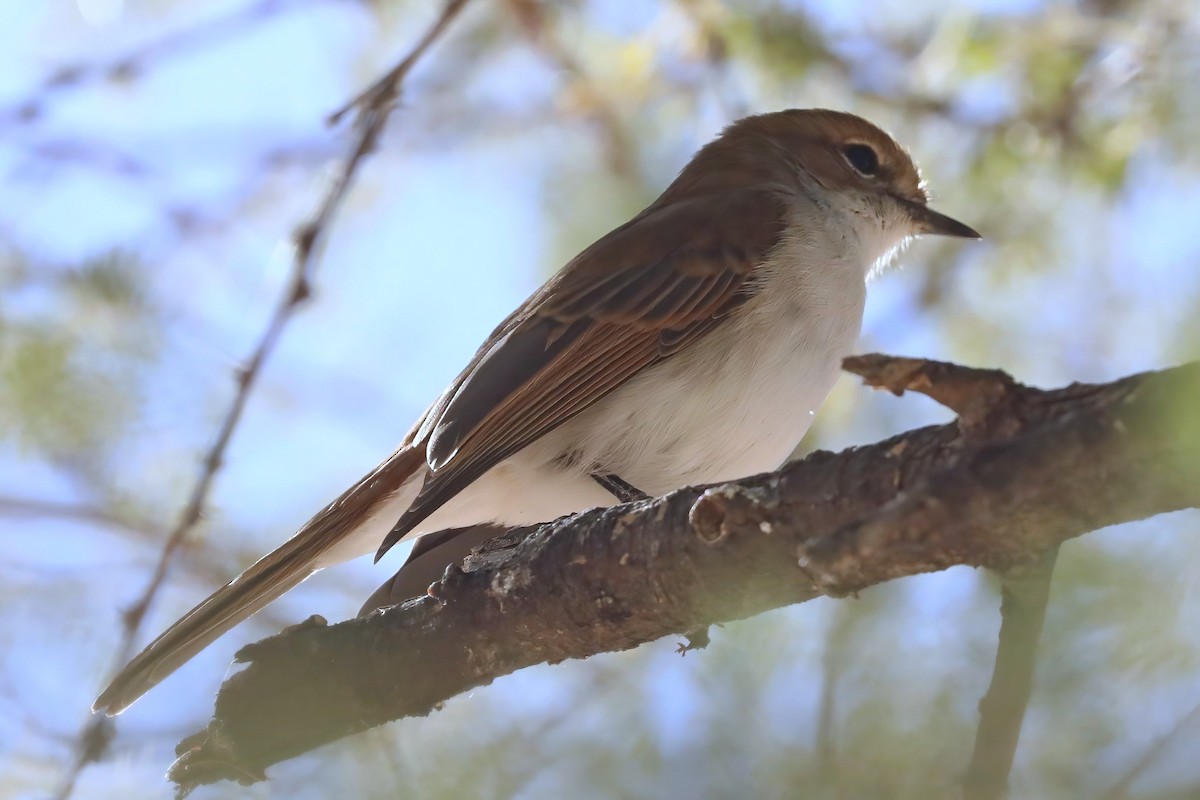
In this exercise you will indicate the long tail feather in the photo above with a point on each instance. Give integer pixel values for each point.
(264, 581)
(344, 529)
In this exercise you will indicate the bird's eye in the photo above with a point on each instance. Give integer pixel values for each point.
(862, 158)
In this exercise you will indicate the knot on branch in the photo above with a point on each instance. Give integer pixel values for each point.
(723, 509)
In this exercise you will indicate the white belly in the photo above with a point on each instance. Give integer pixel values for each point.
(734, 405)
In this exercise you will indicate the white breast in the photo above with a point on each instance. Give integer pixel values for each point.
(739, 401)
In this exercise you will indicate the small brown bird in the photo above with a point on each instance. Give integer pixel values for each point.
(693, 344)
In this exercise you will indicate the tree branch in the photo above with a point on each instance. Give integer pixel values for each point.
(1026, 594)
(1021, 471)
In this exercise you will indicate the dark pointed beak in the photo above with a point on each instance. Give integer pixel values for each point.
(929, 221)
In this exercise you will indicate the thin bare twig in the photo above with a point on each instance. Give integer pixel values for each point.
(372, 109)
(380, 95)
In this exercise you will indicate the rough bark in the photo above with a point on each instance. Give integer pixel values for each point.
(1020, 471)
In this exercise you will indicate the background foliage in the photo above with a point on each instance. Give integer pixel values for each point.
(157, 154)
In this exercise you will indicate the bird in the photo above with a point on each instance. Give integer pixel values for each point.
(691, 345)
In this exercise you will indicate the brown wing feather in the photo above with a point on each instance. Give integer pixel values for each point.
(638, 295)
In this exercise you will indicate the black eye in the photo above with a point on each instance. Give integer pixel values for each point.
(862, 158)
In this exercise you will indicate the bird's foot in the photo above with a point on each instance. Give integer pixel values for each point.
(623, 491)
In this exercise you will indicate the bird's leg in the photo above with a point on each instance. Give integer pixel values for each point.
(625, 492)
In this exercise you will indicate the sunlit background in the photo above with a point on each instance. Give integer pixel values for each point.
(155, 156)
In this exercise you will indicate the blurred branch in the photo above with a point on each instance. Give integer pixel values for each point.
(619, 150)
(708, 22)
(382, 95)
(799, 32)
(1120, 789)
(130, 64)
(371, 110)
(1020, 471)
(202, 565)
(833, 665)
(28, 507)
(1025, 593)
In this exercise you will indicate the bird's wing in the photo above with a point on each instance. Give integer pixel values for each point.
(640, 294)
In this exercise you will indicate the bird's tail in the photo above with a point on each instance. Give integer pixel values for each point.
(320, 543)
(267, 579)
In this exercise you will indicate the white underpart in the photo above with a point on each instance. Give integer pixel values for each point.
(733, 405)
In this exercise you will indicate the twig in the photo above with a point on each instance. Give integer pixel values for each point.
(96, 735)
(1001, 712)
(372, 109)
(380, 95)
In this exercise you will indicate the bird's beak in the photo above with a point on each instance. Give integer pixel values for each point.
(926, 220)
